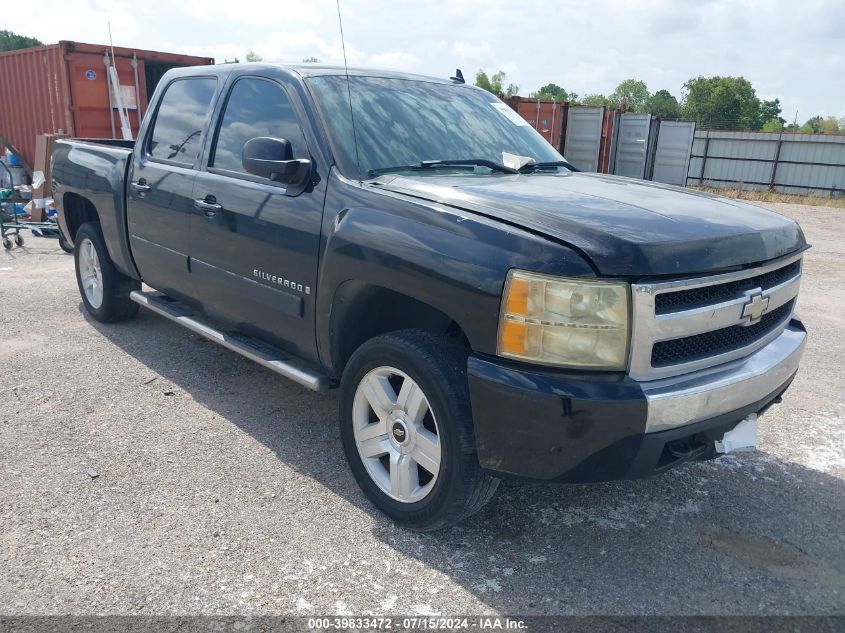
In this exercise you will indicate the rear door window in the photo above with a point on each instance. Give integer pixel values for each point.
(177, 129)
(256, 107)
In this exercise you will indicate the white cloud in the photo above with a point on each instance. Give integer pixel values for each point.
(787, 50)
(399, 60)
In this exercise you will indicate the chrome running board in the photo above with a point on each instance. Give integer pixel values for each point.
(260, 353)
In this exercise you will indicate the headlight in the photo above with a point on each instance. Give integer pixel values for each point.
(565, 322)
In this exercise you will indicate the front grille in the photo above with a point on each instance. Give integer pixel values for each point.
(691, 348)
(667, 302)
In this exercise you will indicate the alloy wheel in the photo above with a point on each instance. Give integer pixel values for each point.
(90, 273)
(396, 434)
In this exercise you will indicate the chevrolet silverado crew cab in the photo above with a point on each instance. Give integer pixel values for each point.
(485, 310)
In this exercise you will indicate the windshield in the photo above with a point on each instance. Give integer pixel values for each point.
(404, 122)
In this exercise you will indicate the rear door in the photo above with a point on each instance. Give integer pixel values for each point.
(254, 253)
(161, 183)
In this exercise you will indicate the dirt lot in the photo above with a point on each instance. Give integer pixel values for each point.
(223, 489)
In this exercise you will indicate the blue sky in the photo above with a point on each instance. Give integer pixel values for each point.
(794, 51)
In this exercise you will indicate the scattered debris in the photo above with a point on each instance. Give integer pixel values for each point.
(93, 474)
(153, 379)
(169, 393)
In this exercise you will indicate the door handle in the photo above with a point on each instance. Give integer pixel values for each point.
(208, 206)
(141, 186)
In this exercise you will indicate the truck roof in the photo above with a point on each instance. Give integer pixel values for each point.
(308, 70)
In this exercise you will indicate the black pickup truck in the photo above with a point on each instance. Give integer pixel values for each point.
(486, 310)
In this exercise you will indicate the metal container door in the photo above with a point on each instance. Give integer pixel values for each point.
(674, 146)
(632, 144)
(583, 137)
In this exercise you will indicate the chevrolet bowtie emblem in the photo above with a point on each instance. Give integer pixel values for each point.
(755, 308)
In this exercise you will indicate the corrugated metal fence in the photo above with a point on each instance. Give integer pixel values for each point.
(799, 164)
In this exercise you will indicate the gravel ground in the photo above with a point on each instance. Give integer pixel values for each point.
(221, 488)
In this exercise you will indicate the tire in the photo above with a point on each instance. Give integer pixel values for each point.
(7, 243)
(436, 365)
(65, 245)
(19, 239)
(108, 299)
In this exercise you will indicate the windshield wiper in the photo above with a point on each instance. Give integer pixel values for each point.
(481, 162)
(434, 164)
(553, 163)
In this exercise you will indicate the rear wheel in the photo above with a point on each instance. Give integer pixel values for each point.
(406, 427)
(104, 289)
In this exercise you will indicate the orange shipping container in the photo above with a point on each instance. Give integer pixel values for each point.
(62, 88)
(547, 117)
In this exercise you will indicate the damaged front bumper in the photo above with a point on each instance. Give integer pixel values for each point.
(570, 427)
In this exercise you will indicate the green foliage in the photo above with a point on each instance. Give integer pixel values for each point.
(813, 125)
(663, 104)
(830, 125)
(596, 101)
(310, 60)
(728, 103)
(826, 125)
(12, 41)
(770, 110)
(773, 125)
(495, 84)
(552, 91)
(631, 96)
(252, 56)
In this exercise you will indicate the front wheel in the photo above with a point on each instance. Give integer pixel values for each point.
(104, 289)
(64, 244)
(406, 427)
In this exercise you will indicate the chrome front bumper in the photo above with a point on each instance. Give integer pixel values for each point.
(674, 402)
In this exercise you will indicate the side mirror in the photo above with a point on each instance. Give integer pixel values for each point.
(272, 158)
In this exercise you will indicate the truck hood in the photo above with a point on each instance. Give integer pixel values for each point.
(624, 226)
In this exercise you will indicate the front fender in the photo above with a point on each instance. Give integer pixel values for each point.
(451, 260)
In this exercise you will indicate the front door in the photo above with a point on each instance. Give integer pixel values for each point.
(254, 247)
(161, 183)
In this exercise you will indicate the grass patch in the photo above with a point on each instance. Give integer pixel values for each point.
(772, 196)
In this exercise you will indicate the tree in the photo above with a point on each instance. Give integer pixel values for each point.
(773, 125)
(769, 111)
(12, 41)
(553, 91)
(631, 96)
(813, 125)
(728, 103)
(252, 56)
(311, 60)
(830, 125)
(495, 84)
(595, 101)
(663, 104)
